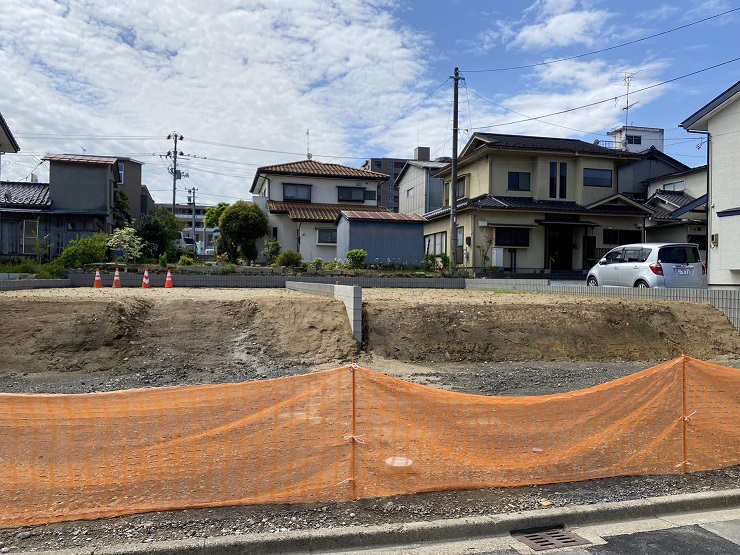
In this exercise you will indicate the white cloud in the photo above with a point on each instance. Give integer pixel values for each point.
(563, 29)
(253, 73)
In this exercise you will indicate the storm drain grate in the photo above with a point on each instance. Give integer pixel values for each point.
(550, 538)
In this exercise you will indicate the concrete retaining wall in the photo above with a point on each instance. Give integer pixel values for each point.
(18, 284)
(350, 295)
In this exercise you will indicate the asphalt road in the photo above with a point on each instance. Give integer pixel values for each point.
(705, 533)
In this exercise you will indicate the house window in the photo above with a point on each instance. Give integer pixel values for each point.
(275, 233)
(634, 139)
(563, 179)
(512, 237)
(436, 243)
(410, 193)
(597, 178)
(120, 173)
(621, 236)
(519, 181)
(327, 236)
(351, 194)
(558, 180)
(675, 186)
(296, 192)
(370, 195)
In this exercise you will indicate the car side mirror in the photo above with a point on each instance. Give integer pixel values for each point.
(602, 262)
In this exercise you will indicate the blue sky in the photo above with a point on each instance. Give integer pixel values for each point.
(243, 80)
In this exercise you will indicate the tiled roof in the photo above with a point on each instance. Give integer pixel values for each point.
(550, 144)
(309, 212)
(529, 204)
(15, 193)
(382, 216)
(80, 159)
(321, 169)
(677, 199)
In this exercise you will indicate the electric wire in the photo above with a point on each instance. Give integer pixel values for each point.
(607, 49)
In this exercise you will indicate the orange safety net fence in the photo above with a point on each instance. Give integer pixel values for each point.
(346, 434)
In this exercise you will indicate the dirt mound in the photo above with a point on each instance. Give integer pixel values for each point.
(202, 330)
(479, 326)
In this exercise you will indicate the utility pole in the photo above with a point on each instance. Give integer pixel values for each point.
(176, 174)
(453, 182)
(191, 202)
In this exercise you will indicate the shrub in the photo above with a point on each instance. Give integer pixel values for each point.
(289, 259)
(271, 251)
(163, 260)
(356, 258)
(445, 259)
(88, 249)
(185, 261)
(318, 263)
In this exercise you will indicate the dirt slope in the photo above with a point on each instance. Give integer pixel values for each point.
(128, 330)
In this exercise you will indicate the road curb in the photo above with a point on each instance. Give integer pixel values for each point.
(311, 541)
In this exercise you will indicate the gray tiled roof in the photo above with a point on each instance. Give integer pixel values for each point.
(22, 194)
(529, 204)
(677, 199)
(549, 144)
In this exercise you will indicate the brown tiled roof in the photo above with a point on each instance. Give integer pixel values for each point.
(80, 159)
(308, 212)
(382, 216)
(22, 193)
(321, 169)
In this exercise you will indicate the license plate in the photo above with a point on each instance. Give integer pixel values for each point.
(683, 271)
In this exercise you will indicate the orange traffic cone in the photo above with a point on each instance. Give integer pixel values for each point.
(116, 280)
(145, 281)
(168, 281)
(98, 280)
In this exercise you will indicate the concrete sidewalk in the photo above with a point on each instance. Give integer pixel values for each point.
(348, 538)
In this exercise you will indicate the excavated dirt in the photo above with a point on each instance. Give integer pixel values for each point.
(482, 342)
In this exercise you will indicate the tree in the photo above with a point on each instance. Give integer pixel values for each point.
(241, 224)
(88, 249)
(122, 214)
(213, 214)
(160, 229)
(126, 241)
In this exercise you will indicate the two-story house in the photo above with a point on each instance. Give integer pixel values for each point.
(419, 191)
(720, 121)
(303, 201)
(533, 204)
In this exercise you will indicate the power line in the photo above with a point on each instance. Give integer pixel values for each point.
(612, 99)
(538, 64)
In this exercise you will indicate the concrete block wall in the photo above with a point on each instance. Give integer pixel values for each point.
(19, 284)
(350, 295)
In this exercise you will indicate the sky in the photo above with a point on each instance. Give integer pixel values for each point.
(250, 83)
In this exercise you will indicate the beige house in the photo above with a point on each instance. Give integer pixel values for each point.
(303, 201)
(720, 121)
(535, 204)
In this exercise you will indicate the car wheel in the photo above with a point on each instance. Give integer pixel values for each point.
(642, 285)
(591, 281)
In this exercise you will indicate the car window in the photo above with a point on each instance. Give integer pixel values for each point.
(614, 257)
(679, 254)
(632, 255)
(645, 254)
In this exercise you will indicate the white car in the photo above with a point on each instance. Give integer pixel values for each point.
(663, 265)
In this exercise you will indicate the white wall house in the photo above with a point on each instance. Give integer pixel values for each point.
(635, 139)
(720, 121)
(303, 201)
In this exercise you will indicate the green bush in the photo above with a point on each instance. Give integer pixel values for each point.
(185, 261)
(356, 258)
(271, 251)
(289, 259)
(163, 260)
(445, 259)
(30, 266)
(317, 263)
(88, 249)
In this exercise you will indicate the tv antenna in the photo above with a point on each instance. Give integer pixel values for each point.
(627, 80)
